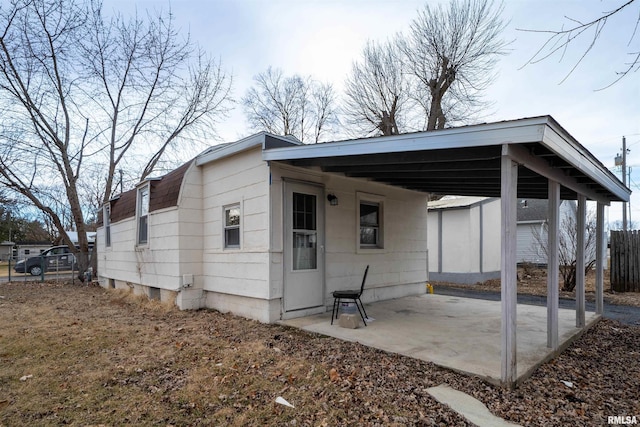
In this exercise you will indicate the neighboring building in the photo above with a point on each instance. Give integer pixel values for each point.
(464, 239)
(29, 249)
(6, 250)
(533, 215)
(23, 250)
(73, 235)
(464, 236)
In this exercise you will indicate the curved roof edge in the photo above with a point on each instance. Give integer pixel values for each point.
(164, 193)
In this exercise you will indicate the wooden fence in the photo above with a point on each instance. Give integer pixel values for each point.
(625, 261)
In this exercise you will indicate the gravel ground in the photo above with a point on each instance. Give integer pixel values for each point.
(330, 382)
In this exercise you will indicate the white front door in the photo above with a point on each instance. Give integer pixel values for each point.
(304, 246)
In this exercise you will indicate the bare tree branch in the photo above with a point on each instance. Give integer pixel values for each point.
(452, 54)
(291, 105)
(568, 244)
(79, 90)
(377, 91)
(559, 41)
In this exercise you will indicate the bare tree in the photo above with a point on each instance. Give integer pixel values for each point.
(77, 89)
(377, 91)
(324, 110)
(558, 41)
(452, 53)
(568, 244)
(291, 105)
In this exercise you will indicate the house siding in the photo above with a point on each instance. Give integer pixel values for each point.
(529, 250)
(457, 250)
(491, 241)
(463, 246)
(466, 249)
(399, 269)
(161, 263)
(239, 274)
(186, 259)
(434, 220)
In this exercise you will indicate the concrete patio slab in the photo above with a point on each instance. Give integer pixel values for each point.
(462, 334)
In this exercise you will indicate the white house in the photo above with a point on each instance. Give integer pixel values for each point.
(265, 240)
(267, 228)
(463, 236)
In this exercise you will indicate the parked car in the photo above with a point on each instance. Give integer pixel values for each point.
(57, 258)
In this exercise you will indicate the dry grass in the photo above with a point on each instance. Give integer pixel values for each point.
(90, 356)
(83, 355)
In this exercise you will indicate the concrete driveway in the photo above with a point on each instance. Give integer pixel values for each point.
(462, 334)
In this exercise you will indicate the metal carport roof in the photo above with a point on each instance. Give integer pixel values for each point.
(528, 158)
(465, 160)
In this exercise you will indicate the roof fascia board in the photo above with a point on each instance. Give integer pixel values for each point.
(517, 131)
(236, 147)
(147, 181)
(463, 206)
(560, 142)
(230, 149)
(541, 167)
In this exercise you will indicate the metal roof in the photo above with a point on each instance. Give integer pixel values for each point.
(466, 160)
(457, 202)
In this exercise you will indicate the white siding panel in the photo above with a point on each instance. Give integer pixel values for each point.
(529, 250)
(243, 179)
(174, 235)
(433, 238)
(456, 250)
(402, 263)
(490, 240)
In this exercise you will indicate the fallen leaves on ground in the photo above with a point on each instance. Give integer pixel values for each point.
(103, 357)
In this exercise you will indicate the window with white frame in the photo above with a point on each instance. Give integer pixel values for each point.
(232, 226)
(143, 215)
(370, 222)
(106, 215)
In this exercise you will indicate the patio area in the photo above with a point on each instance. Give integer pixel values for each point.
(462, 334)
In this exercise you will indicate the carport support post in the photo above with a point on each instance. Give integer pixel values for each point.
(600, 257)
(553, 296)
(580, 276)
(509, 295)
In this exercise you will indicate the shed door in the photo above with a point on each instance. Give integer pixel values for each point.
(304, 247)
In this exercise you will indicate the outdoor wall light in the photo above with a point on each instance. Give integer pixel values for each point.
(333, 199)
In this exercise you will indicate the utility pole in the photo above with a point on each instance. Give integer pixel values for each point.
(624, 181)
(622, 161)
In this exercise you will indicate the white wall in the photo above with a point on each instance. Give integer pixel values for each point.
(458, 235)
(393, 269)
(242, 178)
(529, 250)
(464, 242)
(189, 240)
(174, 247)
(491, 240)
(433, 240)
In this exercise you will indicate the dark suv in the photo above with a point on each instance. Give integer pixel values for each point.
(57, 258)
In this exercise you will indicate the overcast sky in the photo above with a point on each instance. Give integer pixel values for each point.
(321, 38)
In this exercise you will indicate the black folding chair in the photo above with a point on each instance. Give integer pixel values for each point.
(353, 295)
